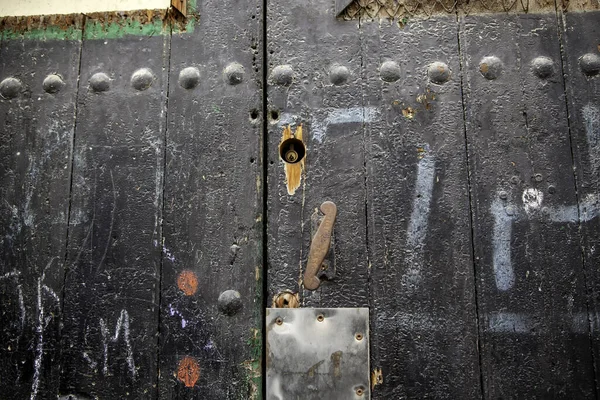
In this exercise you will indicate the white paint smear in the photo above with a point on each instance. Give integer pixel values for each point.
(341, 116)
(501, 237)
(417, 227)
(122, 326)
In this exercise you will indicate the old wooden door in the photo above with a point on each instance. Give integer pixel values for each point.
(147, 219)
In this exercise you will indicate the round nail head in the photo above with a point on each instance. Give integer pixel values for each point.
(491, 67)
(282, 75)
(230, 302)
(100, 82)
(438, 72)
(234, 73)
(53, 83)
(389, 71)
(10, 88)
(142, 79)
(189, 77)
(590, 64)
(543, 67)
(338, 74)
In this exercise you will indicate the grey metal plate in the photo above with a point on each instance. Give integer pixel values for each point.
(309, 357)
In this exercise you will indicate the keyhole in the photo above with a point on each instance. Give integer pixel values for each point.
(292, 150)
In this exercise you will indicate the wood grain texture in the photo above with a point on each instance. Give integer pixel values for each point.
(528, 264)
(36, 131)
(112, 284)
(423, 326)
(320, 51)
(581, 37)
(210, 339)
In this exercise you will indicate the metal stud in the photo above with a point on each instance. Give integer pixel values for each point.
(53, 83)
(100, 82)
(543, 67)
(338, 74)
(590, 64)
(189, 77)
(230, 302)
(282, 75)
(438, 72)
(142, 79)
(491, 67)
(10, 88)
(389, 71)
(234, 73)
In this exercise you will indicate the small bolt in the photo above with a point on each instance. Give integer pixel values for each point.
(503, 195)
(360, 391)
(514, 180)
(279, 321)
(359, 336)
(320, 318)
(538, 177)
(551, 189)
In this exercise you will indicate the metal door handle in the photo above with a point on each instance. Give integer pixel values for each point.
(320, 246)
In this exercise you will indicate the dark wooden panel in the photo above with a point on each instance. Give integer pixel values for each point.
(424, 326)
(325, 97)
(211, 318)
(111, 288)
(36, 131)
(581, 35)
(528, 261)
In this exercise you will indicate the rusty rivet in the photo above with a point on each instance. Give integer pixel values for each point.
(230, 302)
(10, 88)
(282, 75)
(234, 73)
(189, 77)
(389, 71)
(320, 318)
(53, 83)
(142, 79)
(279, 321)
(543, 67)
(360, 391)
(358, 336)
(100, 82)
(338, 74)
(491, 67)
(590, 64)
(438, 72)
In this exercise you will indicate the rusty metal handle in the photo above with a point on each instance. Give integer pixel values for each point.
(320, 246)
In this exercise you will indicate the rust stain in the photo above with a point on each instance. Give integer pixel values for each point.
(376, 377)
(293, 172)
(188, 282)
(426, 98)
(312, 370)
(409, 112)
(336, 360)
(286, 299)
(483, 68)
(188, 371)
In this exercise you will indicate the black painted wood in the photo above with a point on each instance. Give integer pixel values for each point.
(36, 130)
(320, 50)
(581, 36)
(211, 340)
(528, 262)
(423, 327)
(112, 283)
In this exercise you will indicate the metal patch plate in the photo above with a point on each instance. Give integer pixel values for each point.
(317, 353)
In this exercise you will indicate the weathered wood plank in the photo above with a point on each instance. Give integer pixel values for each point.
(581, 41)
(212, 307)
(314, 81)
(111, 289)
(424, 327)
(36, 132)
(528, 261)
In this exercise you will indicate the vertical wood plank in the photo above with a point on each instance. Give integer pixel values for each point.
(528, 262)
(36, 132)
(314, 64)
(424, 327)
(211, 305)
(111, 289)
(581, 43)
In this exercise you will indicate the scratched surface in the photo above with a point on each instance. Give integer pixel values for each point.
(35, 152)
(423, 319)
(211, 314)
(582, 36)
(531, 293)
(113, 261)
(332, 117)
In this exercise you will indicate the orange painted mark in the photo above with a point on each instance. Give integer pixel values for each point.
(188, 282)
(188, 371)
(293, 172)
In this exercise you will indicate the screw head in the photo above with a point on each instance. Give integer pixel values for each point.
(279, 321)
(360, 391)
(320, 318)
(358, 336)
